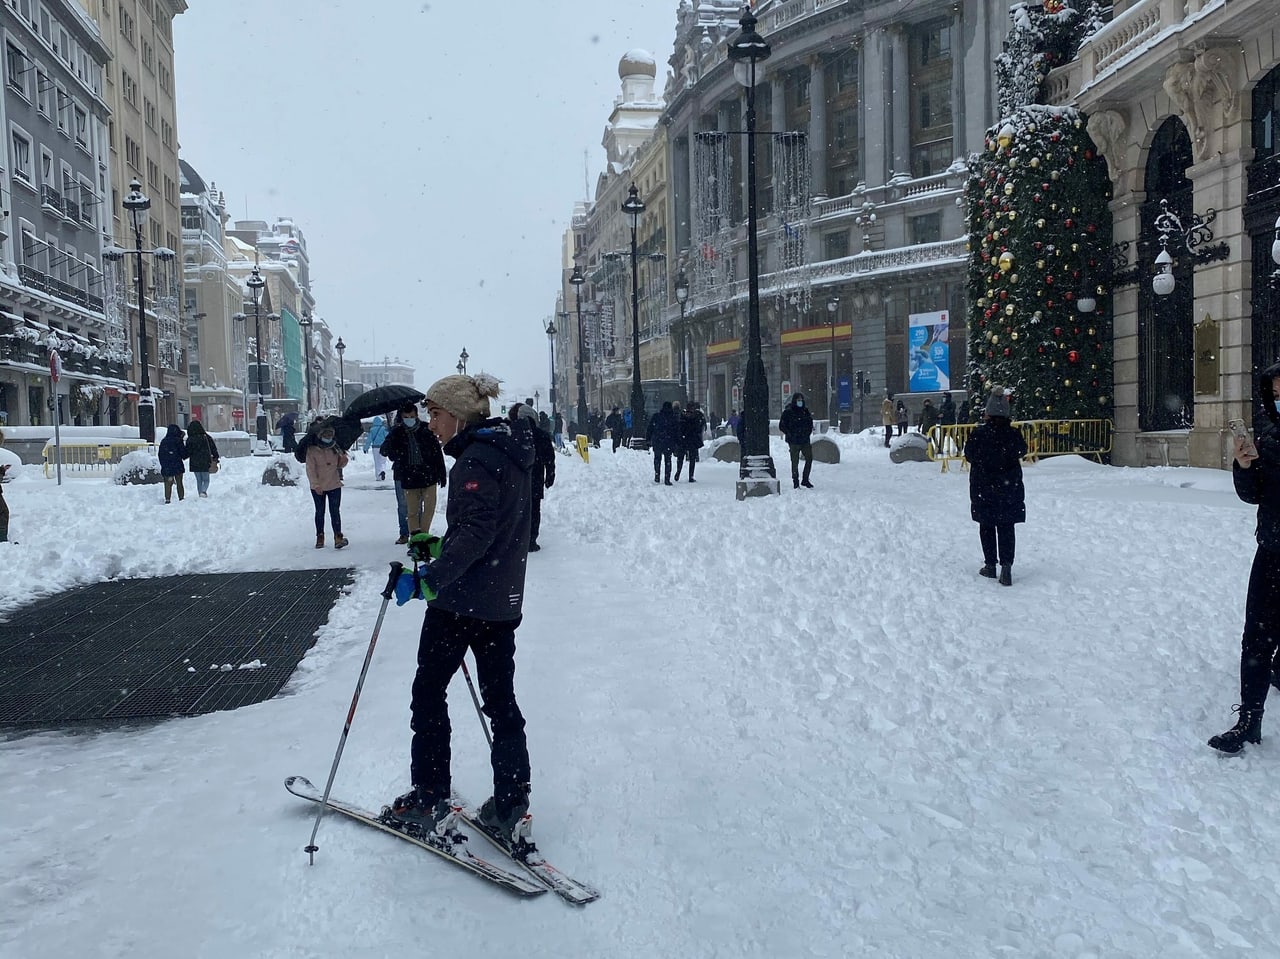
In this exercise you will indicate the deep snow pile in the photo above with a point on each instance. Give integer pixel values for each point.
(798, 726)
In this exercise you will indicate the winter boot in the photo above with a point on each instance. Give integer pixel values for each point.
(319, 540)
(417, 811)
(806, 484)
(1248, 729)
(339, 541)
(657, 478)
(1006, 575)
(988, 570)
(510, 824)
(795, 480)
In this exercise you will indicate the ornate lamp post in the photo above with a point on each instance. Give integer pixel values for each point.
(462, 361)
(137, 204)
(746, 50)
(306, 323)
(550, 329)
(577, 279)
(632, 206)
(342, 376)
(255, 283)
(682, 297)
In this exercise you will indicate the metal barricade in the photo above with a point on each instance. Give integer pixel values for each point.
(1044, 438)
(89, 459)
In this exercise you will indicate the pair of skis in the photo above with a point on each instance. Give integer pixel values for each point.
(537, 876)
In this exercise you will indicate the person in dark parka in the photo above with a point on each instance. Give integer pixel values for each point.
(542, 475)
(417, 465)
(997, 498)
(796, 425)
(616, 426)
(664, 438)
(172, 451)
(692, 424)
(1256, 474)
(202, 454)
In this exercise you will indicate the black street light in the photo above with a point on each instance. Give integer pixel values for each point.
(682, 297)
(137, 203)
(833, 415)
(577, 279)
(255, 283)
(306, 323)
(748, 49)
(342, 376)
(462, 361)
(632, 206)
(550, 328)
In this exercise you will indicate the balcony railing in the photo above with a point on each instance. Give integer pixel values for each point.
(51, 198)
(53, 286)
(71, 208)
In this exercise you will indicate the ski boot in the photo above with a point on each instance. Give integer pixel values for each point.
(511, 827)
(419, 815)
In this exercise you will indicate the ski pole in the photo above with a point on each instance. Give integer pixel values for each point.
(396, 570)
(476, 699)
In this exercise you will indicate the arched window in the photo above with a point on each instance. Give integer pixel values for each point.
(1166, 395)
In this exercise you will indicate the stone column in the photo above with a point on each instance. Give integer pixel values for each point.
(899, 102)
(817, 126)
(874, 95)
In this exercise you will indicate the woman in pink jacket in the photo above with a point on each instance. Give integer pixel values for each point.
(325, 460)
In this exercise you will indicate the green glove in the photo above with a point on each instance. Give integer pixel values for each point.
(424, 547)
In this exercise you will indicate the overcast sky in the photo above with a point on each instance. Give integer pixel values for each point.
(430, 152)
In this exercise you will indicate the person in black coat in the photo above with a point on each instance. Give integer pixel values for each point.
(796, 425)
(417, 465)
(692, 424)
(542, 476)
(287, 424)
(172, 451)
(1256, 474)
(997, 498)
(664, 438)
(616, 426)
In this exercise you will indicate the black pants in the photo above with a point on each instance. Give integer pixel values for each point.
(997, 543)
(4, 519)
(445, 639)
(661, 458)
(535, 516)
(1261, 628)
(798, 450)
(617, 439)
(888, 431)
(334, 499)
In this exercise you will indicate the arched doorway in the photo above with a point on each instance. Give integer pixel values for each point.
(1166, 394)
(1260, 212)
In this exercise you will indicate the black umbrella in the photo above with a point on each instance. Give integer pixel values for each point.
(346, 430)
(380, 400)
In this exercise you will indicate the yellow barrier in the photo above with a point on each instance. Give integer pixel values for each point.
(89, 458)
(582, 443)
(1044, 438)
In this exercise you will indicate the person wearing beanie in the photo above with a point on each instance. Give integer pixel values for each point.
(475, 593)
(997, 499)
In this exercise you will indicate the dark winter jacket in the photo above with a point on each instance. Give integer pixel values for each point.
(480, 571)
(692, 423)
(996, 494)
(200, 448)
(172, 452)
(796, 422)
(664, 430)
(928, 417)
(524, 427)
(947, 414)
(1260, 483)
(614, 423)
(415, 456)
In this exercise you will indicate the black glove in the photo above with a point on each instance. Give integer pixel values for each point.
(550, 480)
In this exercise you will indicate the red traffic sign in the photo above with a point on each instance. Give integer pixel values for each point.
(55, 365)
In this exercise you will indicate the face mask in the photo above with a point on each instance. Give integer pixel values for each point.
(326, 442)
(799, 403)
(410, 421)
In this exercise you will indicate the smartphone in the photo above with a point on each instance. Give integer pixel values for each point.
(1238, 428)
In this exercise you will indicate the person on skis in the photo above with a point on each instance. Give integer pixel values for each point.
(475, 592)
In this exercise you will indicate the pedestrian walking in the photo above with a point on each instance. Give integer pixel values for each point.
(202, 455)
(287, 425)
(4, 506)
(796, 425)
(663, 436)
(542, 475)
(418, 466)
(172, 451)
(1255, 472)
(692, 425)
(903, 416)
(373, 440)
(997, 499)
(888, 416)
(325, 460)
(558, 436)
(616, 427)
(475, 594)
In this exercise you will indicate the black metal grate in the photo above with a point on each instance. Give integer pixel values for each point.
(142, 649)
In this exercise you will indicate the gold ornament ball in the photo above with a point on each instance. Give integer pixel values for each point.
(1039, 264)
(1008, 310)
(1013, 335)
(1040, 224)
(1066, 382)
(1013, 277)
(1035, 162)
(1012, 214)
(1008, 189)
(1005, 262)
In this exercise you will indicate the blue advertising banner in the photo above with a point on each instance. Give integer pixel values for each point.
(929, 352)
(844, 393)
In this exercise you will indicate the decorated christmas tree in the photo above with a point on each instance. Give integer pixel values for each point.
(1040, 235)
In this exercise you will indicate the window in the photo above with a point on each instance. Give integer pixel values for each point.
(63, 107)
(149, 113)
(44, 94)
(148, 56)
(64, 50)
(17, 67)
(153, 173)
(126, 24)
(835, 246)
(129, 89)
(133, 153)
(87, 200)
(46, 167)
(46, 26)
(166, 133)
(82, 127)
(166, 80)
(930, 78)
(170, 191)
(20, 156)
(926, 228)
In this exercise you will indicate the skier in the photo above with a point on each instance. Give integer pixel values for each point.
(475, 592)
(796, 425)
(1256, 473)
(997, 498)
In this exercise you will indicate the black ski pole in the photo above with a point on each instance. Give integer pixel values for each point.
(476, 699)
(396, 570)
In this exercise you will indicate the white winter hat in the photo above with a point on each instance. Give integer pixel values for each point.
(466, 397)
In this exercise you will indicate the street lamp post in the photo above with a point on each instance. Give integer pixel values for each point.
(306, 323)
(550, 329)
(462, 361)
(682, 297)
(137, 204)
(255, 284)
(342, 376)
(748, 49)
(577, 279)
(632, 206)
(833, 311)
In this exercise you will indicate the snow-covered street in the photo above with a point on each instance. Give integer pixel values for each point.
(798, 726)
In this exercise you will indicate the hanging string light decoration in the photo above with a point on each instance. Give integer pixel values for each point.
(792, 177)
(712, 259)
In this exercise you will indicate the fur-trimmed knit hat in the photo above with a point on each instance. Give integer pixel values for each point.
(466, 397)
(998, 403)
